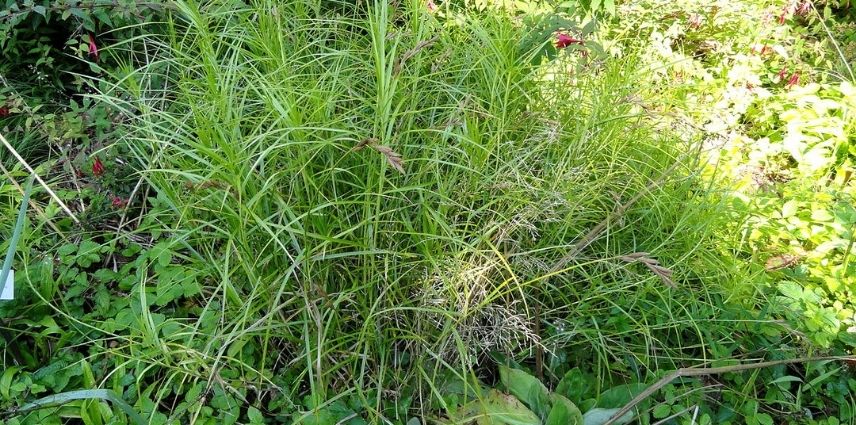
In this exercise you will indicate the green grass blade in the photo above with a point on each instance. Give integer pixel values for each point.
(106, 395)
(16, 234)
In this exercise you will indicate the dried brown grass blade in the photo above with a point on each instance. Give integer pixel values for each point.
(412, 52)
(393, 158)
(653, 265)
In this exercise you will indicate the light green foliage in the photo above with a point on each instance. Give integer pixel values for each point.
(748, 77)
(768, 86)
(803, 221)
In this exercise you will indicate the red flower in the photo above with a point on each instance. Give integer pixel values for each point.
(93, 48)
(564, 40)
(804, 8)
(783, 73)
(97, 167)
(431, 6)
(4, 111)
(118, 202)
(794, 80)
(782, 18)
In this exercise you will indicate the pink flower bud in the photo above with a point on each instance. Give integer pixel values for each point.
(564, 40)
(97, 167)
(93, 48)
(794, 80)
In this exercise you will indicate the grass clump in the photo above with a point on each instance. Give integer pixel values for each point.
(349, 212)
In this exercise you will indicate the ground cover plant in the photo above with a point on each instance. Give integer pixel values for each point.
(417, 212)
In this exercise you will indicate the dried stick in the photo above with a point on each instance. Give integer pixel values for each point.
(700, 371)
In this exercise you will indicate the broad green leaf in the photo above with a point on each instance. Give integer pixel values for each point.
(620, 395)
(821, 214)
(88, 253)
(599, 416)
(662, 410)
(789, 208)
(589, 27)
(563, 412)
(255, 416)
(575, 386)
(88, 376)
(497, 409)
(609, 6)
(527, 389)
(791, 290)
(6, 380)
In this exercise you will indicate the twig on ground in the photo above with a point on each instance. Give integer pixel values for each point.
(700, 371)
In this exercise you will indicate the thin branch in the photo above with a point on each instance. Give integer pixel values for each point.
(700, 371)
